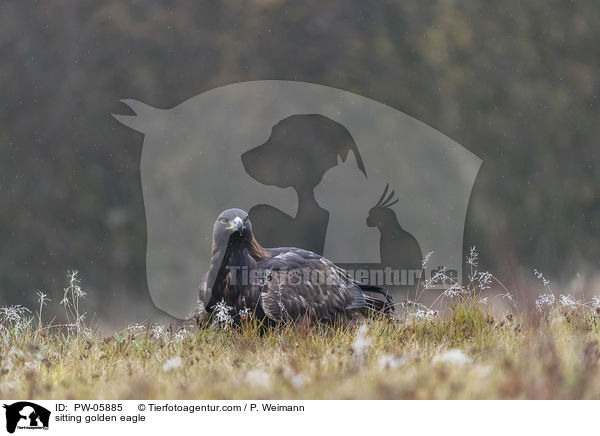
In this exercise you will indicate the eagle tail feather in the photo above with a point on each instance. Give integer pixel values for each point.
(358, 299)
(375, 304)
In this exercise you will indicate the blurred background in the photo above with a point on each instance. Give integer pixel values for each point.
(517, 83)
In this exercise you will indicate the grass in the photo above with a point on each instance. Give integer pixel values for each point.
(474, 349)
(468, 355)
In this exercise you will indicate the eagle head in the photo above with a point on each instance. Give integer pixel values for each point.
(232, 222)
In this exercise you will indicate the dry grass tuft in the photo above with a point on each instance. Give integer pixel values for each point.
(471, 353)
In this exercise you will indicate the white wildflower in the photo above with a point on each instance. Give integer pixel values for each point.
(455, 290)
(472, 258)
(437, 278)
(298, 381)
(42, 298)
(158, 331)
(16, 352)
(222, 316)
(172, 363)
(454, 357)
(71, 296)
(508, 296)
(33, 365)
(544, 301)
(14, 313)
(8, 385)
(541, 277)
(181, 335)
(258, 378)
(361, 345)
(136, 329)
(74, 287)
(426, 259)
(245, 314)
(418, 311)
(568, 301)
(388, 361)
(484, 280)
(424, 314)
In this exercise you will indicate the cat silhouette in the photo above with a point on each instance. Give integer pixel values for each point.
(346, 193)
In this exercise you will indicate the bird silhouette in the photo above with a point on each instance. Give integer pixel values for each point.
(397, 247)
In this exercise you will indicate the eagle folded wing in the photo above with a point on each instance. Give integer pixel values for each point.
(300, 283)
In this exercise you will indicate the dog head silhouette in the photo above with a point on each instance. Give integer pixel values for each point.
(300, 149)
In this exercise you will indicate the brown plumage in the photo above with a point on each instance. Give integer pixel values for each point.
(278, 284)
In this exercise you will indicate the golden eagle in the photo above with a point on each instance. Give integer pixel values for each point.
(279, 284)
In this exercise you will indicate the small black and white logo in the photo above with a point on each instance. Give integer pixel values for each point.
(26, 415)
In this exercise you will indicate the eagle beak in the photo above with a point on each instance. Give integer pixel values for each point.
(238, 224)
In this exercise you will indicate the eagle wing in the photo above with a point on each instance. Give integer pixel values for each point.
(301, 283)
